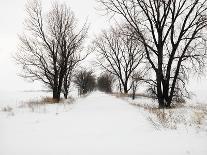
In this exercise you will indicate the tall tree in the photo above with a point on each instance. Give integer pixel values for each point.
(119, 54)
(173, 34)
(49, 45)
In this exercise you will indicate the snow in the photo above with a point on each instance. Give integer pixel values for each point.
(14, 98)
(97, 124)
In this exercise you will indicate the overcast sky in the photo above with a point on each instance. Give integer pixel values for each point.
(12, 15)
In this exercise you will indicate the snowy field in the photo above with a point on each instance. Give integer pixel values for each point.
(98, 124)
(14, 98)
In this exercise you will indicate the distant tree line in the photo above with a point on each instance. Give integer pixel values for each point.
(86, 82)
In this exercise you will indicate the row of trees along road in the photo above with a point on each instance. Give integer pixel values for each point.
(166, 38)
(173, 34)
(51, 46)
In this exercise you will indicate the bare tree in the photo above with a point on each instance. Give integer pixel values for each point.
(85, 81)
(119, 54)
(105, 82)
(173, 34)
(49, 45)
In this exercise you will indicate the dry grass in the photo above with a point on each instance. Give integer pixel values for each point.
(39, 105)
(44, 100)
(33, 105)
(198, 117)
(187, 116)
(179, 115)
(49, 100)
(166, 118)
(117, 94)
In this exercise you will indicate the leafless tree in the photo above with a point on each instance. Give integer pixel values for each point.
(119, 54)
(173, 33)
(105, 82)
(50, 45)
(85, 81)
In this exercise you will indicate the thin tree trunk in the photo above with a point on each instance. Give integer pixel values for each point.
(65, 95)
(120, 87)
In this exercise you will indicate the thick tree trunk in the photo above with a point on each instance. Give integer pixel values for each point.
(58, 86)
(160, 92)
(56, 95)
(165, 84)
(159, 72)
(161, 102)
(168, 100)
(125, 89)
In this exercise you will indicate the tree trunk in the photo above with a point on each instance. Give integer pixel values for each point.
(133, 90)
(120, 87)
(160, 92)
(66, 85)
(56, 95)
(133, 95)
(65, 90)
(125, 89)
(65, 95)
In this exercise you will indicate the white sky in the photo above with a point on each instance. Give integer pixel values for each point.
(12, 15)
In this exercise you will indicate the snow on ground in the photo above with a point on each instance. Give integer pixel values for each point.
(14, 98)
(189, 115)
(98, 124)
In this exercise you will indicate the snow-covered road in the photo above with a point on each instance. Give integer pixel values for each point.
(98, 124)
